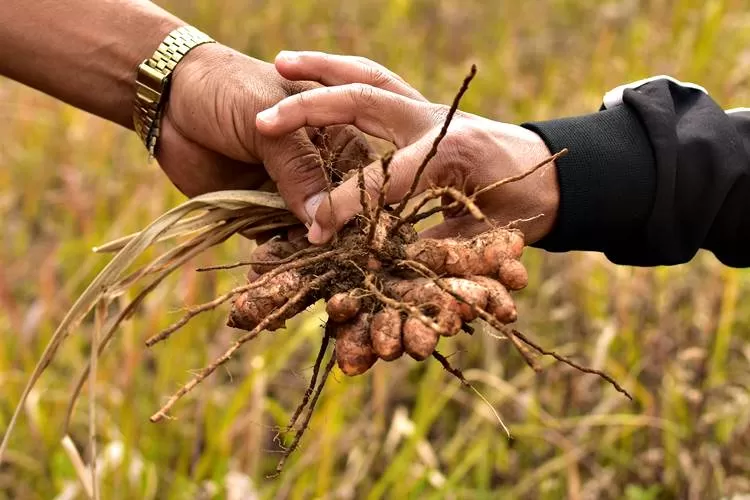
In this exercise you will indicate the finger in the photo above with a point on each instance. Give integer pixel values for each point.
(332, 70)
(349, 148)
(342, 148)
(295, 165)
(374, 111)
(344, 202)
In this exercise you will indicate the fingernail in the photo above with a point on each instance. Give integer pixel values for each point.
(288, 56)
(315, 234)
(268, 116)
(311, 207)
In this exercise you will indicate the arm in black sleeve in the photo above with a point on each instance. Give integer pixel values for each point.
(658, 173)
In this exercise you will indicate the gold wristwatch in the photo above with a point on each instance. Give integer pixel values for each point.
(152, 82)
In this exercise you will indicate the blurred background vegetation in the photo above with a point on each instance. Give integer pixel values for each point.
(677, 338)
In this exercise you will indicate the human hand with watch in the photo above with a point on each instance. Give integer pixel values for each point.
(208, 136)
(207, 139)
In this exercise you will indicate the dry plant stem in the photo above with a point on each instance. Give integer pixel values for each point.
(306, 421)
(460, 376)
(301, 253)
(99, 318)
(571, 363)
(362, 193)
(205, 372)
(80, 468)
(198, 245)
(433, 151)
(522, 175)
(124, 314)
(192, 247)
(213, 304)
(415, 215)
(313, 381)
(110, 276)
(385, 162)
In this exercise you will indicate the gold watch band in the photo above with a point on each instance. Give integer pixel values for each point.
(152, 81)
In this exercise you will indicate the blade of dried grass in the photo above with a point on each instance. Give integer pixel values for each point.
(79, 466)
(194, 224)
(193, 247)
(219, 232)
(108, 277)
(100, 317)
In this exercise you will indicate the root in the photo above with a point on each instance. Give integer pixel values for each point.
(213, 304)
(363, 194)
(486, 316)
(468, 202)
(385, 163)
(461, 199)
(522, 175)
(571, 363)
(313, 380)
(523, 350)
(243, 263)
(460, 376)
(306, 422)
(401, 306)
(205, 372)
(433, 151)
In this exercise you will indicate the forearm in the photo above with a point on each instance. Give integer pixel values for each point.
(659, 173)
(83, 52)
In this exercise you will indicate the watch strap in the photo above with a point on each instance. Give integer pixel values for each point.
(153, 79)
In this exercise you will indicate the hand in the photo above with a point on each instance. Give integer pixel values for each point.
(209, 141)
(475, 153)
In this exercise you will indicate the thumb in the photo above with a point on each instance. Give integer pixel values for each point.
(295, 164)
(334, 210)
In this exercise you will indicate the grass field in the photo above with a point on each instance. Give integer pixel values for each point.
(677, 338)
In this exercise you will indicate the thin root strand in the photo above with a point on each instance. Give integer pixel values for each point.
(571, 363)
(460, 376)
(433, 151)
(306, 422)
(313, 381)
(213, 304)
(208, 370)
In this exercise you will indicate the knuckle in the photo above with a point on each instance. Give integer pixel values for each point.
(302, 99)
(363, 60)
(363, 95)
(464, 148)
(373, 179)
(439, 113)
(304, 165)
(377, 77)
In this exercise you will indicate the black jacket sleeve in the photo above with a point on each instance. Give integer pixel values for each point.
(659, 172)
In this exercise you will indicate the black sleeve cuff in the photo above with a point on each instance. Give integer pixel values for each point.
(607, 180)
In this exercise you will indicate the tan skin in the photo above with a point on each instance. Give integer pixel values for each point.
(86, 52)
(475, 153)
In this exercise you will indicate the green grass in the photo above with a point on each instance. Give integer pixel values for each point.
(678, 338)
